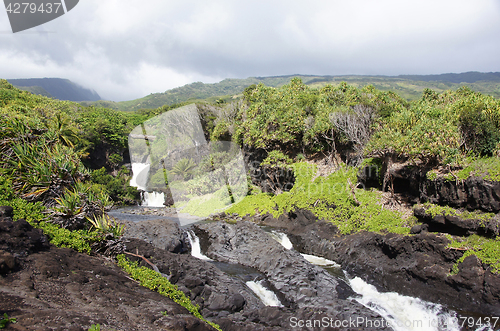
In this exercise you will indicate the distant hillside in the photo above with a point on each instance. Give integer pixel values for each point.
(466, 77)
(408, 86)
(57, 88)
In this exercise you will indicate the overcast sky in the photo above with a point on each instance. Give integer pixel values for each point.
(127, 49)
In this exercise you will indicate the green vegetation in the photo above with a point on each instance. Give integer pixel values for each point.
(49, 148)
(440, 128)
(44, 177)
(408, 87)
(106, 224)
(487, 168)
(436, 210)
(6, 320)
(154, 281)
(95, 327)
(329, 198)
(487, 250)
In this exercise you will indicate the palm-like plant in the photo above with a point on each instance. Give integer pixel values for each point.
(63, 130)
(107, 224)
(184, 168)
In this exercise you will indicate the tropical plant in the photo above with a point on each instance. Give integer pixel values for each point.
(184, 168)
(63, 129)
(106, 224)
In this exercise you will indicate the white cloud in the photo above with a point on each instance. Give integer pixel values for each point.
(126, 49)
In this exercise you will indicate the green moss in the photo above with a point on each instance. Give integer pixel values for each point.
(328, 198)
(154, 281)
(435, 210)
(486, 168)
(431, 175)
(486, 249)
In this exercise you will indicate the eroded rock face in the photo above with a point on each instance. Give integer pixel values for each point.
(298, 283)
(457, 225)
(161, 233)
(419, 265)
(472, 193)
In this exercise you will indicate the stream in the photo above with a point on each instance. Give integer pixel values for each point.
(402, 313)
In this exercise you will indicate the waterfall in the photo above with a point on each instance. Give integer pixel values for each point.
(282, 239)
(268, 297)
(195, 247)
(139, 175)
(285, 242)
(140, 172)
(153, 199)
(321, 261)
(404, 313)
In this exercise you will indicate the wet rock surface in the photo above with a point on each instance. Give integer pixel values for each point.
(300, 285)
(419, 265)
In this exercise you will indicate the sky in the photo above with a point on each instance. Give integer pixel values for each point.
(126, 49)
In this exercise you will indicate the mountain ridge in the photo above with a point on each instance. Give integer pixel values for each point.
(57, 88)
(409, 87)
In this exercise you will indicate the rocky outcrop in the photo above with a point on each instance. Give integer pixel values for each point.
(161, 233)
(472, 193)
(456, 224)
(419, 265)
(299, 284)
(409, 179)
(49, 288)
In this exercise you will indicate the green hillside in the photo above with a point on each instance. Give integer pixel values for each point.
(409, 87)
(57, 88)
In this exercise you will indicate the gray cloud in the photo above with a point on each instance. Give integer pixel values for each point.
(126, 49)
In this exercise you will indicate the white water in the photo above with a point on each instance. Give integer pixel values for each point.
(285, 242)
(139, 175)
(153, 199)
(268, 297)
(404, 313)
(195, 247)
(282, 239)
(140, 172)
(321, 261)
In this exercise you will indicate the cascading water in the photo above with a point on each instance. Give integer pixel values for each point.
(321, 261)
(195, 247)
(139, 179)
(153, 199)
(139, 175)
(282, 239)
(268, 297)
(402, 313)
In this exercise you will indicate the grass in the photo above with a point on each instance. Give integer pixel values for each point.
(155, 282)
(329, 198)
(487, 168)
(487, 250)
(435, 210)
